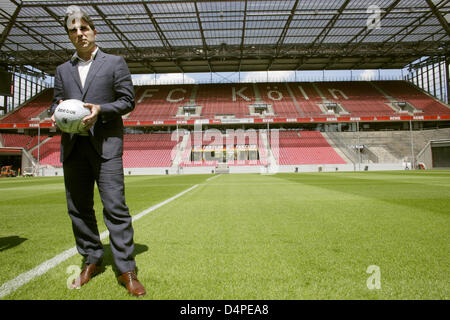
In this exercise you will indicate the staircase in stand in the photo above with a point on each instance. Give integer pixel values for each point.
(222, 168)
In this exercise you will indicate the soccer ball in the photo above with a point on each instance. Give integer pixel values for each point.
(69, 115)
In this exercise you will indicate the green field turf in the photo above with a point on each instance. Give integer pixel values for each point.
(247, 236)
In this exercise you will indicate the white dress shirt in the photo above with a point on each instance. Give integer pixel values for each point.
(83, 70)
(84, 66)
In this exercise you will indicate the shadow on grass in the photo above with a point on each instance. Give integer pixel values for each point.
(10, 242)
(109, 261)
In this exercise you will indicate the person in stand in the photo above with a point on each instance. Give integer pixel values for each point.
(104, 83)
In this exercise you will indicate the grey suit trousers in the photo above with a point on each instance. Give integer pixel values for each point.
(82, 169)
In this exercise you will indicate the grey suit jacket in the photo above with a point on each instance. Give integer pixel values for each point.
(109, 85)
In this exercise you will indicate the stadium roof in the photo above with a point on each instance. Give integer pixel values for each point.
(227, 36)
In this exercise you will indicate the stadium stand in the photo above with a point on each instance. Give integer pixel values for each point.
(20, 140)
(49, 152)
(148, 150)
(234, 148)
(264, 38)
(140, 150)
(159, 102)
(30, 109)
(212, 101)
(307, 98)
(405, 91)
(294, 99)
(356, 98)
(15, 140)
(224, 99)
(305, 147)
(280, 98)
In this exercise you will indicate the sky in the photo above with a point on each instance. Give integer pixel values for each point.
(263, 76)
(271, 76)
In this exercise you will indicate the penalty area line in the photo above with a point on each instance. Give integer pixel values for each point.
(22, 279)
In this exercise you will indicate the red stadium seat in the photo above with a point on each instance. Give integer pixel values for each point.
(303, 148)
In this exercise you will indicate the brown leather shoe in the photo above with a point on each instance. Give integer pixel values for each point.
(131, 282)
(89, 271)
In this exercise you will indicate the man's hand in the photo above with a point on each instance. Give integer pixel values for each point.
(53, 116)
(89, 120)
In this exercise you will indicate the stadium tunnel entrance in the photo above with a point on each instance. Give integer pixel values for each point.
(21, 162)
(440, 151)
(11, 157)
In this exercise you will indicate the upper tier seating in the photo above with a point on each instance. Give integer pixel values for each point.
(218, 99)
(31, 109)
(357, 98)
(307, 98)
(293, 99)
(285, 100)
(277, 95)
(159, 102)
(405, 91)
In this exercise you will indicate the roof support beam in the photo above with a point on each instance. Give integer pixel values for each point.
(162, 36)
(6, 31)
(202, 34)
(40, 37)
(38, 3)
(417, 23)
(121, 37)
(158, 30)
(25, 58)
(249, 35)
(368, 31)
(241, 47)
(53, 15)
(300, 62)
(282, 36)
(286, 28)
(323, 34)
(439, 16)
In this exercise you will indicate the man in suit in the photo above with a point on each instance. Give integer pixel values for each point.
(104, 83)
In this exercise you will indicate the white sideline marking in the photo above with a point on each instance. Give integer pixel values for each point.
(143, 213)
(213, 177)
(23, 278)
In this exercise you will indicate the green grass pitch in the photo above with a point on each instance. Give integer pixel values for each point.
(247, 236)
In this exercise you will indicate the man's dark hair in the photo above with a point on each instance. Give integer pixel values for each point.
(76, 12)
